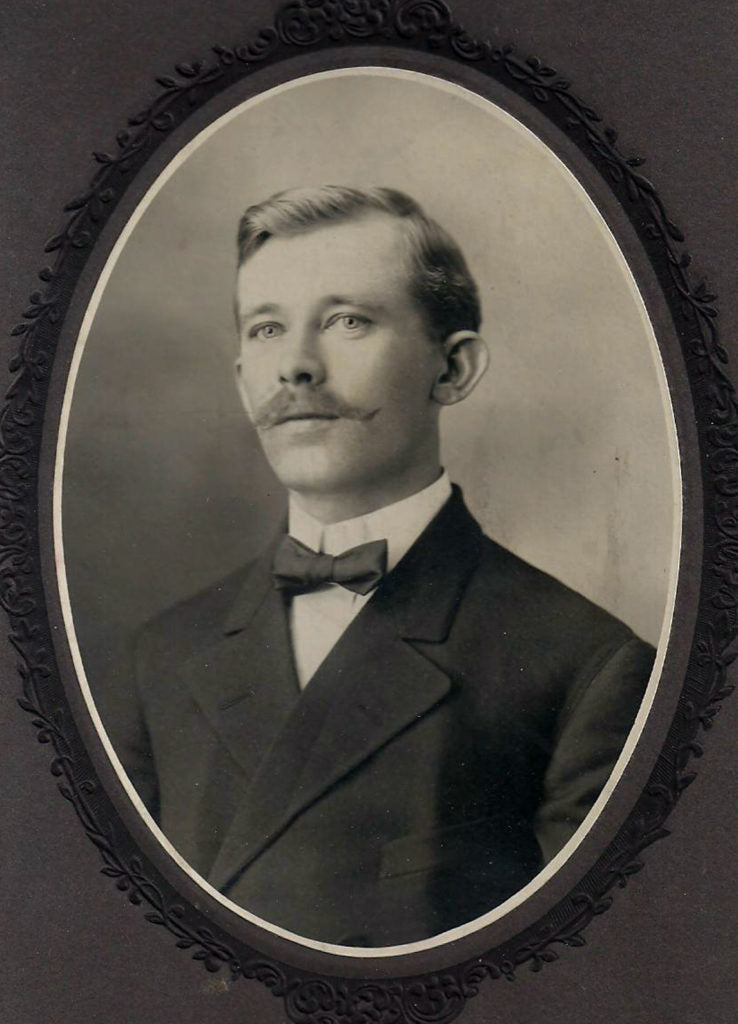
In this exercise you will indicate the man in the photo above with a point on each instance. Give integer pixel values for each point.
(386, 725)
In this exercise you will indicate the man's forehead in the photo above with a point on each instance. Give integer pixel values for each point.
(370, 250)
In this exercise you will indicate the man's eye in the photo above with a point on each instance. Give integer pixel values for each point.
(265, 332)
(349, 323)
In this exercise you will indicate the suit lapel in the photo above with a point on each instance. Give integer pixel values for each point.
(245, 681)
(379, 686)
(372, 686)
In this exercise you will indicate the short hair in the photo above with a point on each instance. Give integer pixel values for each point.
(440, 280)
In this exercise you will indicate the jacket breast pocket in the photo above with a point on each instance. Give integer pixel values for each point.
(473, 841)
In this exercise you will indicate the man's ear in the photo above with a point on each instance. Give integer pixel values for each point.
(465, 357)
(242, 389)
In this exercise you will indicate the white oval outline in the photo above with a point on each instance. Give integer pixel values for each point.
(563, 855)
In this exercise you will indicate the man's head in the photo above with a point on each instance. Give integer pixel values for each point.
(358, 320)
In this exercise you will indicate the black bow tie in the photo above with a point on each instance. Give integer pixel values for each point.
(298, 569)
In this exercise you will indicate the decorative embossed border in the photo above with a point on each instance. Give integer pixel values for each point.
(300, 26)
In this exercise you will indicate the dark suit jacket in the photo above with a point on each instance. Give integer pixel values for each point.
(450, 743)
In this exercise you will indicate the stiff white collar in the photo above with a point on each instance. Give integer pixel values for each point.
(400, 524)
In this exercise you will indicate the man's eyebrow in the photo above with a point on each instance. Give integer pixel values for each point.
(349, 300)
(263, 309)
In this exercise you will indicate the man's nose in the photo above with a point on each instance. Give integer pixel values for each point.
(300, 359)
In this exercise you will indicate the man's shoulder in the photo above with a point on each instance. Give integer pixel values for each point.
(520, 624)
(192, 622)
(505, 593)
(533, 602)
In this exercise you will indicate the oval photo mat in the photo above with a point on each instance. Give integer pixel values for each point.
(158, 458)
(137, 876)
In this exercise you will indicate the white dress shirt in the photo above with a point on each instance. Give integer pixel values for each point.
(319, 618)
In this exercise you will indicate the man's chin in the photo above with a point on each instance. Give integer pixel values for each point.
(314, 470)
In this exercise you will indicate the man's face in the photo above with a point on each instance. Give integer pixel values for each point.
(336, 365)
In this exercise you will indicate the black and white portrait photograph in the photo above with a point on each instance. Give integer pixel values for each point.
(367, 510)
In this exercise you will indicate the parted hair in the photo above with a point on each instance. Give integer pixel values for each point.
(439, 276)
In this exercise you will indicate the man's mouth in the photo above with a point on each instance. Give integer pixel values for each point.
(290, 417)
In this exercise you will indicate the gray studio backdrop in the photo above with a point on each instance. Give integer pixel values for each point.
(564, 451)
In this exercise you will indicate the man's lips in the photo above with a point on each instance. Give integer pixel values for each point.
(291, 417)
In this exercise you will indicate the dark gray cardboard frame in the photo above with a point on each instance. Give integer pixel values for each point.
(423, 36)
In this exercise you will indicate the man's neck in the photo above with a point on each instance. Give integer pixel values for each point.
(335, 508)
